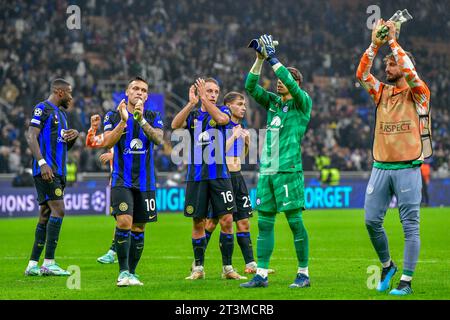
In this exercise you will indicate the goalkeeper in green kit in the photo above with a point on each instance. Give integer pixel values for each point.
(281, 183)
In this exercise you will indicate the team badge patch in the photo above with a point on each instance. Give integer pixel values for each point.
(189, 209)
(58, 192)
(123, 207)
(212, 123)
(38, 112)
(258, 201)
(285, 109)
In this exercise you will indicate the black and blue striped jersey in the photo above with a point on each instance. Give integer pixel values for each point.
(207, 150)
(133, 162)
(52, 121)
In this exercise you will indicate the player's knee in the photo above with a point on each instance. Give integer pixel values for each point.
(138, 227)
(374, 225)
(211, 224)
(124, 221)
(265, 224)
(243, 225)
(226, 223)
(44, 214)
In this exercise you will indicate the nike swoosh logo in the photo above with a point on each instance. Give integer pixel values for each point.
(285, 204)
(270, 109)
(120, 242)
(228, 209)
(151, 217)
(406, 190)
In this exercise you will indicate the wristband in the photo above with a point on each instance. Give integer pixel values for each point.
(42, 162)
(273, 61)
(143, 122)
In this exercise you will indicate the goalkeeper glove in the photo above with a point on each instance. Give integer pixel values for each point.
(256, 45)
(269, 46)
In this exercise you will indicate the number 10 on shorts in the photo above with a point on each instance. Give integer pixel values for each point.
(151, 204)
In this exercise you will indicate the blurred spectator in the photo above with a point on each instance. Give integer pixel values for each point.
(171, 43)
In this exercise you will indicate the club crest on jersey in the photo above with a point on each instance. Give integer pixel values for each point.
(285, 109)
(58, 192)
(212, 123)
(56, 119)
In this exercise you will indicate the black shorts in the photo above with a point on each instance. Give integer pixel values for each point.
(49, 190)
(200, 193)
(241, 196)
(141, 205)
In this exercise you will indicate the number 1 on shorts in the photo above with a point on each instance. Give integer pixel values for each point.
(286, 190)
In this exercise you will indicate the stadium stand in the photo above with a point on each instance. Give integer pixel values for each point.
(171, 43)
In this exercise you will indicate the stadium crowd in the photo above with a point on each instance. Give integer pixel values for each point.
(172, 42)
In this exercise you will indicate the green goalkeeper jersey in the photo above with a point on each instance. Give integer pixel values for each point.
(286, 123)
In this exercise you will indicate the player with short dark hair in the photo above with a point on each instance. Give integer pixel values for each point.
(402, 140)
(49, 139)
(208, 178)
(281, 182)
(133, 175)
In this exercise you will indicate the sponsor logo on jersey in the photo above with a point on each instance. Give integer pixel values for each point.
(136, 146)
(60, 139)
(395, 127)
(189, 209)
(276, 122)
(203, 138)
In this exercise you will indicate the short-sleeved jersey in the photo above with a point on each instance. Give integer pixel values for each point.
(286, 123)
(52, 121)
(238, 145)
(206, 159)
(133, 162)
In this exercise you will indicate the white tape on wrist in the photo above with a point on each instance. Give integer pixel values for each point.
(42, 162)
(143, 122)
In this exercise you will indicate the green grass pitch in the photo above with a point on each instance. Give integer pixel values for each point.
(340, 253)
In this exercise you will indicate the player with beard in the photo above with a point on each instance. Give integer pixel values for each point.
(132, 132)
(49, 139)
(402, 139)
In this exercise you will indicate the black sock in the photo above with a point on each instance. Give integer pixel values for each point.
(136, 248)
(208, 236)
(39, 241)
(53, 230)
(245, 242)
(122, 238)
(113, 245)
(226, 248)
(199, 246)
